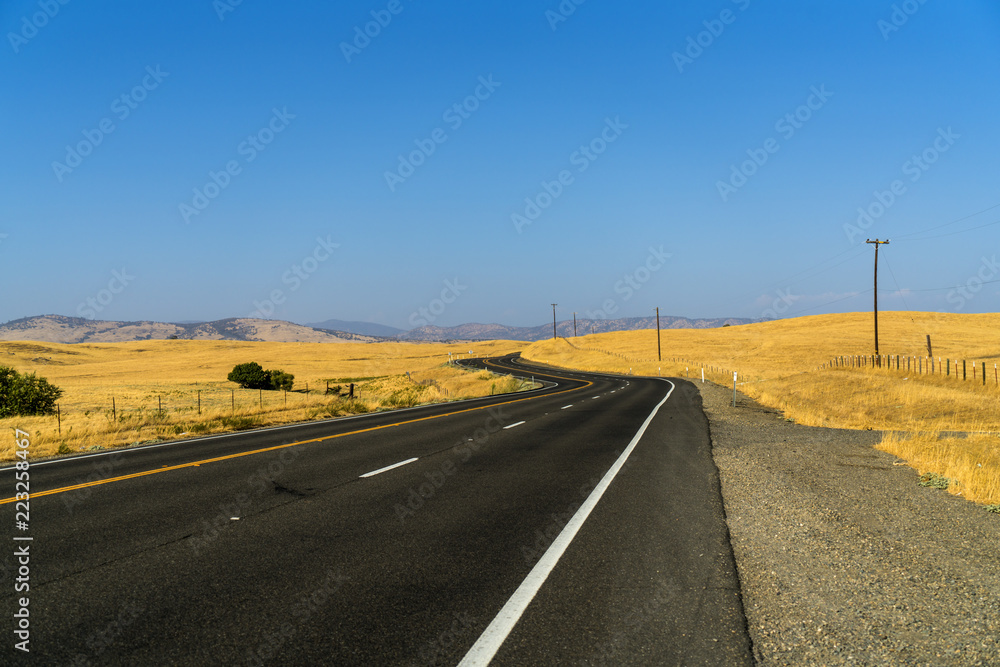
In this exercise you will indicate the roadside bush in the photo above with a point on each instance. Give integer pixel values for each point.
(281, 380)
(26, 394)
(252, 376)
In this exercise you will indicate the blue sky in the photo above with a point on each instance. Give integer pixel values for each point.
(471, 162)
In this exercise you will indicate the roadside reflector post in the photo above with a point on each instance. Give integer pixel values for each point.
(703, 375)
(734, 389)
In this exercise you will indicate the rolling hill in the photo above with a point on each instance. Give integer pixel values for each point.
(60, 329)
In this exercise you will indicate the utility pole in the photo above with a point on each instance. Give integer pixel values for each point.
(659, 355)
(554, 320)
(876, 243)
(574, 325)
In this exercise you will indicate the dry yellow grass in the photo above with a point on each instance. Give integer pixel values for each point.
(779, 365)
(141, 377)
(958, 459)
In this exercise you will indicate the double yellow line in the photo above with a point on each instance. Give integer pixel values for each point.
(195, 464)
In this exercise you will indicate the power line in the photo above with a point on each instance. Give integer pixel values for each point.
(940, 236)
(829, 303)
(941, 289)
(899, 290)
(815, 268)
(909, 237)
(953, 222)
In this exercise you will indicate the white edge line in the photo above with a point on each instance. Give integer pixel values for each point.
(486, 647)
(512, 425)
(387, 468)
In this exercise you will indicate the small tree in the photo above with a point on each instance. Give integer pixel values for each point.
(281, 380)
(23, 395)
(250, 376)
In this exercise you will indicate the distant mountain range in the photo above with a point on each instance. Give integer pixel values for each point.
(583, 327)
(60, 329)
(363, 328)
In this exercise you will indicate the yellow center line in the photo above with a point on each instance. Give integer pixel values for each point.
(194, 464)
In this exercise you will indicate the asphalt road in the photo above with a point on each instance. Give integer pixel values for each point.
(534, 528)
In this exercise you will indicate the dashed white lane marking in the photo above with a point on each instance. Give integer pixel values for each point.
(566, 406)
(486, 647)
(512, 425)
(394, 465)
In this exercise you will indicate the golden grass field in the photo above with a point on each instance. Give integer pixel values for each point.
(779, 365)
(142, 376)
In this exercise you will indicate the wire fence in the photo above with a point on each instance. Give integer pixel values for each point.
(961, 370)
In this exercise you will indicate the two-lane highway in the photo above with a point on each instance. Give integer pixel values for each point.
(580, 523)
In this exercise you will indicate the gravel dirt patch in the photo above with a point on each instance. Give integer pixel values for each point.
(843, 559)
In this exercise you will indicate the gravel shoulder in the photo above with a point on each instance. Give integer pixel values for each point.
(842, 557)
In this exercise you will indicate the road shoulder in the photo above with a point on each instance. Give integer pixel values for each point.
(842, 557)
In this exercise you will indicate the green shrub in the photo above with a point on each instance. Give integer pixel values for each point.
(281, 380)
(250, 376)
(23, 395)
